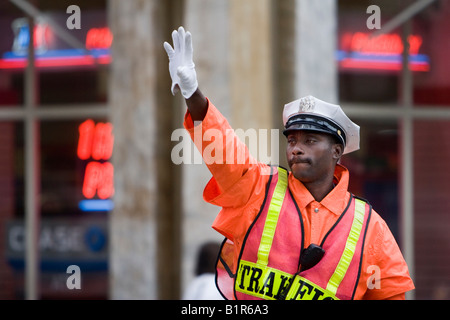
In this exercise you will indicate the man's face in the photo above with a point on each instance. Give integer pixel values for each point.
(312, 156)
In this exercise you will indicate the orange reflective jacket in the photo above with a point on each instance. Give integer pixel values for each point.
(239, 188)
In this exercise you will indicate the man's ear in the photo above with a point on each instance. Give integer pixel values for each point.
(338, 151)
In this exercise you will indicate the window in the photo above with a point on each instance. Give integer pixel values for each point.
(403, 167)
(432, 88)
(13, 194)
(374, 169)
(431, 208)
(41, 172)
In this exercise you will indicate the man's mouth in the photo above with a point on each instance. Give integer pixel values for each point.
(300, 161)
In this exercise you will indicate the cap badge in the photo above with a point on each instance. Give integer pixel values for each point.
(307, 104)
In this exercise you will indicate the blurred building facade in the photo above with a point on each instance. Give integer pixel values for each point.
(88, 136)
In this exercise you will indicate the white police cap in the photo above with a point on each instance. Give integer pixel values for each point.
(310, 113)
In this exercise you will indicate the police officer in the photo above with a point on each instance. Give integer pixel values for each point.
(298, 235)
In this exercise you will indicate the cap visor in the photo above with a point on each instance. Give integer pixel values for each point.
(306, 128)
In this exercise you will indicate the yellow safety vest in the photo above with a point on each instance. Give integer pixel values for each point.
(269, 260)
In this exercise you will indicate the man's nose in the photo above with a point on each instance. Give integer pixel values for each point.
(297, 149)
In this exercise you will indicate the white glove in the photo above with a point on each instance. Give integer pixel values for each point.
(181, 66)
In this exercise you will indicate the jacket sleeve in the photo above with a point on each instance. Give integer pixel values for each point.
(227, 158)
(386, 256)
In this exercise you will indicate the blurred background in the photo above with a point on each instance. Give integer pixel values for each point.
(86, 123)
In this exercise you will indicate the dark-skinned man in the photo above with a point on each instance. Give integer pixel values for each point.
(298, 235)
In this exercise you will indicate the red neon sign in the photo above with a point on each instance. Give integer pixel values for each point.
(98, 178)
(96, 38)
(76, 61)
(42, 36)
(86, 131)
(100, 38)
(355, 64)
(96, 141)
(383, 44)
(384, 52)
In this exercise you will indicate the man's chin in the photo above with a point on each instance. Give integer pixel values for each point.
(301, 176)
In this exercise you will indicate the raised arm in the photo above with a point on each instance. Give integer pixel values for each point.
(227, 157)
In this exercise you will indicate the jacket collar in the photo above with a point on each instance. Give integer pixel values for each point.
(335, 201)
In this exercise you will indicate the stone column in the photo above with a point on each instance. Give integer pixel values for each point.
(251, 63)
(315, 38)
(284, 48)
(233, 57)
(208, 21)
(144, 226)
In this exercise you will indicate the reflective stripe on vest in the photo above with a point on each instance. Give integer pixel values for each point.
(350, 246)
(272, 218)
